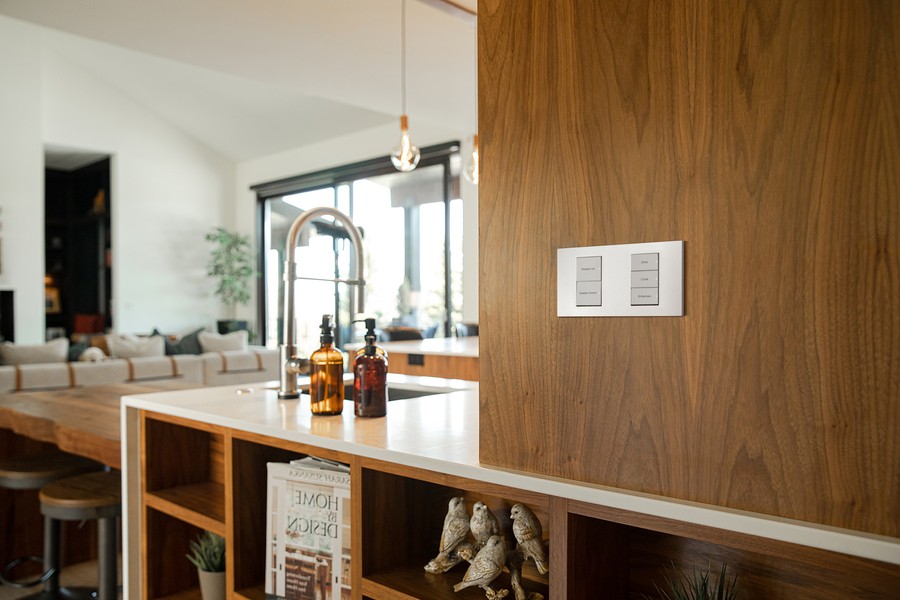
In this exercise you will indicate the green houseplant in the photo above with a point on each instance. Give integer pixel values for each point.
(208, 555)
(232, 265)
(698, 585)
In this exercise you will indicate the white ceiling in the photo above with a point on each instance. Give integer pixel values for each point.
(255, 77)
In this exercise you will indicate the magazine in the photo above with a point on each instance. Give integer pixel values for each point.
(308, 530)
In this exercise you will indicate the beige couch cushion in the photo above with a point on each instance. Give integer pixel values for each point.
(54, 351)
(132, 346)
(235, 367)
(214, 342)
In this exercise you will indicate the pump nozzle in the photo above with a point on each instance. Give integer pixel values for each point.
(327, 329)
(370, 326)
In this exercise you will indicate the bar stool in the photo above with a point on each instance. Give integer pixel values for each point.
(90, 496)
(32, 473)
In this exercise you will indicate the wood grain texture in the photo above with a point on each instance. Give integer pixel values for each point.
(764, 134)
(166, 541)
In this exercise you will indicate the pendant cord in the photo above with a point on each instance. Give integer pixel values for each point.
(476, 76)
(403, 57)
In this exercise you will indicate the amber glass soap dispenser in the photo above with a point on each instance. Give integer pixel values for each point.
(370, 370)
(326, 374)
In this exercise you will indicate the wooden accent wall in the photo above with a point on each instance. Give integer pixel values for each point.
(766, 135)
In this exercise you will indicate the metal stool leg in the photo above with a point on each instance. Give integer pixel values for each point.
(51, 554)
(108, 576)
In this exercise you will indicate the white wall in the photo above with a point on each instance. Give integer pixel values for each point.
(22, 177)
(360, 146)
(167, 191)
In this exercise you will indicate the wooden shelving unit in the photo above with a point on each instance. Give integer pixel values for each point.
(198, 476)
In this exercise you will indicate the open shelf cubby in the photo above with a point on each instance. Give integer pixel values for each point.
(411, 507)
(192, 490)
(248, 468)
(168, 573)
(621, 555)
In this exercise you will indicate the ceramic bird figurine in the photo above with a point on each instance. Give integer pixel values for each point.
(483, 523)
(456, 526)
(529, 534)
(486, 567)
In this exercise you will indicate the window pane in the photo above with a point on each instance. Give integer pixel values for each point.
(402, 220)
(312, 299)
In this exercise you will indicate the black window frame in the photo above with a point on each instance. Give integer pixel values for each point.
(439, 154)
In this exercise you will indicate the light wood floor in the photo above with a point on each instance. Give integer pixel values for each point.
(80, 575)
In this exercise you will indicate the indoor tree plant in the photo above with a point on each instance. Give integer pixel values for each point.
(208, 555)
(232, 264)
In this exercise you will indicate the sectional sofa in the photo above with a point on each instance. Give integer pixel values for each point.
(228, 367)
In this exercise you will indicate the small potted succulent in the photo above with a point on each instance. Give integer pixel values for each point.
(699, 585)
(208, 555)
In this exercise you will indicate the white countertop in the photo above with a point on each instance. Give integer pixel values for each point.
(440, 433)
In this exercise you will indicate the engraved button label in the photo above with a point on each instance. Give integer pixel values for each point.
(645, 297)
(644, 279)
(645, 262)
(589, 268)
(588, 293)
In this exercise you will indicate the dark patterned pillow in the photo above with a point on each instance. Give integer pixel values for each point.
(189, 344)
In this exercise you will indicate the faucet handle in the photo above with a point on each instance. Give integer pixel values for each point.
(297, 366)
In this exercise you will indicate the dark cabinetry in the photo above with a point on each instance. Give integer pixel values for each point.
(77, 248)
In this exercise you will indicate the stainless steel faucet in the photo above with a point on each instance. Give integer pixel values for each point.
(291, 364)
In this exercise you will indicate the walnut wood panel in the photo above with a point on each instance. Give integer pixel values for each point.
(599, 564)
(435, 365)
(175, 455)
(559, 547)
(201, 504)
(765, 135)
(166, 541)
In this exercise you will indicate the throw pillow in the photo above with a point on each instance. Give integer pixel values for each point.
(53, 351)
(214, 342)
(132, 346)
(189, 344)
(76, 349)
(92, 354)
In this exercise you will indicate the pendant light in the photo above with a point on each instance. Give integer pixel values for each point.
(471, 171)
(405, 156)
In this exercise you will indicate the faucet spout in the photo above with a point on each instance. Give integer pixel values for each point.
(290, 362)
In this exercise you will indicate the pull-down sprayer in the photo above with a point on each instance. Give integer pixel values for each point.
(291, 364)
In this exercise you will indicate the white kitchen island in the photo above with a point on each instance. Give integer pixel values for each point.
(424, 451)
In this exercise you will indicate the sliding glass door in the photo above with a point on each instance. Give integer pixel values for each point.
(412, 238)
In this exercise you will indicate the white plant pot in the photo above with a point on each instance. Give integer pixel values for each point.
(212, 585)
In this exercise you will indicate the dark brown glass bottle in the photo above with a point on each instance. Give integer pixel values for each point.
(326, 375)
(370, 370)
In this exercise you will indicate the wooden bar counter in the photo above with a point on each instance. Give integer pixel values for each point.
(81, 420)
(84, 421)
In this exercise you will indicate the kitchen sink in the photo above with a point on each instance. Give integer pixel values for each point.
(396, 391)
